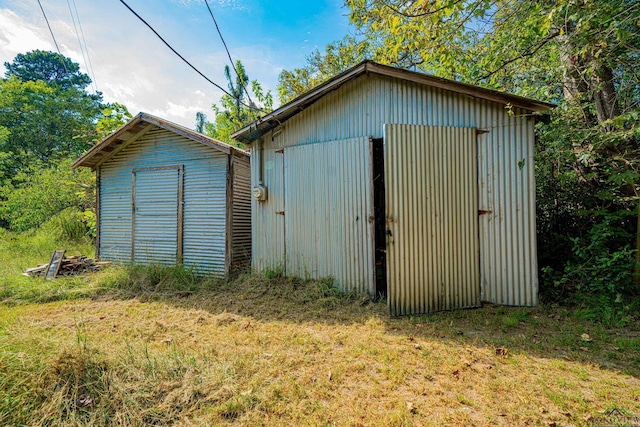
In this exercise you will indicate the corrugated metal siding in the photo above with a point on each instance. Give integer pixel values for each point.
(328, 203)
(204, 197)
(155, 217)
(205, 213)
(506, 177)
(268, 226)
(432, 217)
(360, 108)
(241, 236)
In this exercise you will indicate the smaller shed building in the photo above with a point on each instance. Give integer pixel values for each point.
(169, 195)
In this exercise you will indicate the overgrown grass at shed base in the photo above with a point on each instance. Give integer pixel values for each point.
(162, 346)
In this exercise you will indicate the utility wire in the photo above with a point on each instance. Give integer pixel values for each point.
(75, 27)
(182, 57)
(227, 49)
(86, 48)
(64, 63)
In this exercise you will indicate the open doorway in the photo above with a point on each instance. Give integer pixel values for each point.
(380, 220)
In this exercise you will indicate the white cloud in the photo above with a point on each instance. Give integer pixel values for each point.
(18, 36)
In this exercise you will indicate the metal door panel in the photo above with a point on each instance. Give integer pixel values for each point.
(432, 218)
(157, 207)
(329, 212)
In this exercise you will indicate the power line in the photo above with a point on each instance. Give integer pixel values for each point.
(227, 49)
(86, 48)
(64, 63)
(73, 20)
(51, 31)
(182, 57)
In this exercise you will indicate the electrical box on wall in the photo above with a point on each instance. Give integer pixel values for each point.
(259, 193)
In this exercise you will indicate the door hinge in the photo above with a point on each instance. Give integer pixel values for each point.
(280, 213)
(482, 212)
(280, 151)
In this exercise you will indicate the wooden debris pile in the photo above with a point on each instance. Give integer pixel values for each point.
(70, 266)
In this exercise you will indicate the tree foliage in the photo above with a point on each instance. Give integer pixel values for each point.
(50, 67)
(113, 116)
(47, 111)
(38, 193)
(48, 119)
(237, 109)
(321, 66)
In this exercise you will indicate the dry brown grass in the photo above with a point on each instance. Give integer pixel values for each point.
(283, 352)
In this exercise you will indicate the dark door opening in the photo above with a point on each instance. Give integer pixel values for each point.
(380, 222)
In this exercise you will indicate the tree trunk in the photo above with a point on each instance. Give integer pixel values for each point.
(604, 93)
(575, 86)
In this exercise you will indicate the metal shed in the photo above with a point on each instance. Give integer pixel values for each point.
(400, 184)
(168, 195)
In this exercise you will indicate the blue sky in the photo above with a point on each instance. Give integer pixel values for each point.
(133, 67)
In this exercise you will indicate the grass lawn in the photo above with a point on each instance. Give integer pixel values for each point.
(162, 347)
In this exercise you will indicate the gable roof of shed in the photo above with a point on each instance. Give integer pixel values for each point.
(285, 112)
(135, 129)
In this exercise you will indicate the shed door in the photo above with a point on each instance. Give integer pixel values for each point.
(157, 216)
(329, 212)
(432, 218)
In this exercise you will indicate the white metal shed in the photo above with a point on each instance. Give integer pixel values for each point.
(402, 184)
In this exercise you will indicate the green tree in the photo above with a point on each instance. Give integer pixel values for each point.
(337, 57)
(201, 121)
(47, 111)
(49, 67)
(582, 50)
(237, 108)
(113, 116)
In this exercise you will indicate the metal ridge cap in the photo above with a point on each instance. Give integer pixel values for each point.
(460, 87)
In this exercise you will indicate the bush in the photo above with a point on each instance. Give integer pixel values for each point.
(67, 225)
(41, 193)
(599, 275)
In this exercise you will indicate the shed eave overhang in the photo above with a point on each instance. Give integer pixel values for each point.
(106, 148)
(255, 130)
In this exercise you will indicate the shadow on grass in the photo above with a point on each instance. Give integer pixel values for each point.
(545, 331)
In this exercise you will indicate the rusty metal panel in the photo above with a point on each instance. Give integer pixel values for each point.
(204, 197)
(241, 215)
(432, 208)
(329, 213)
